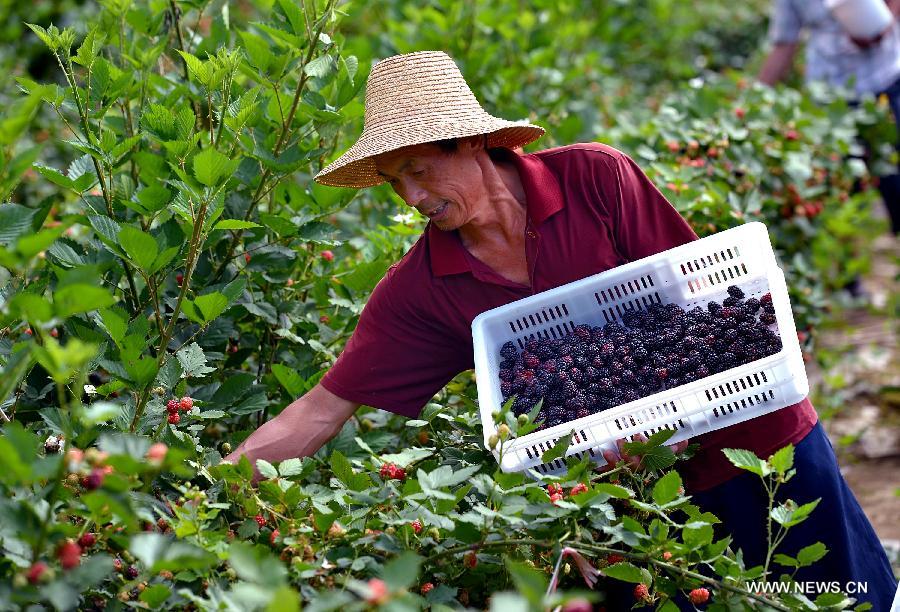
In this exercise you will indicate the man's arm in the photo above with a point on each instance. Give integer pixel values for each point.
(300, 430)
(778, 63)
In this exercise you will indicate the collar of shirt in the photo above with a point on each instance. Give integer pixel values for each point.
(543, 197)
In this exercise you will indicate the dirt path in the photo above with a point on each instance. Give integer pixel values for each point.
(864, 387)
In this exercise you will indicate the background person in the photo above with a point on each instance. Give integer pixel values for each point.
(870, 67)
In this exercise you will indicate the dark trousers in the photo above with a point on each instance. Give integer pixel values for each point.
(855, 554)
(889, 186)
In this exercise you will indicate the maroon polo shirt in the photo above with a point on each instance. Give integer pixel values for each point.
(590, 208)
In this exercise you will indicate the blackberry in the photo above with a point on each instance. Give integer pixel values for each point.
(505, 374)
(613, 329)
(530, 360)
(766, 299)
(569, 389)
(591, 373)
(628, 377)
(640, 353)
(735, 291)
(607, 349)
(582, 412)
(617, 367)
(576, 375)
(662, 373)
(583, 332)
(769, 308)
(522, 405)
(506, 388)
(630, 395)
(604, 383)
(566, 361)
(555, 396)
(691, 342)
(545, 351)
(576, 402)
(702, 371)
(594, 388)
(507, 364)
(543, 377)
(508, 351)
(549, 366)
(767, 318)
(532, 345)
(752, 305)
(714, 307)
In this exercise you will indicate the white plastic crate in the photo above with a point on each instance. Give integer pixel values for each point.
(691, 275)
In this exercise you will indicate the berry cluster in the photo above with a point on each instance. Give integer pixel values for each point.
(173, 406)
(392, 471)
(596, 368)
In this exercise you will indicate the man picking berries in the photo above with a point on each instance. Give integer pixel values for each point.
(504, 225)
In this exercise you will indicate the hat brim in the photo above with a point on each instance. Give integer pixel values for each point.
(356, 167)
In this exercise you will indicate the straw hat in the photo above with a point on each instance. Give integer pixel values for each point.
(413, 99)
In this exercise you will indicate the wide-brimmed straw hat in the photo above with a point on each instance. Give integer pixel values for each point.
(413, 99)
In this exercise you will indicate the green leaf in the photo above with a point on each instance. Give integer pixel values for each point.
(624, 571)
(210, 166)
(193, 361)
(140, 247)
(200, 70)
(403, 571)
(666, 488)
(158, 552)
(320, 67)
(746, 460)
(559, 449)
(782, 460)
(613, 490)
(257, 50)
(15, 220)
(17, 366)
(292, 382)
(155, 595)
(529, 582)
(79, 297)
(235, 224)
(115, 320)
(151, 199)
(407, 456)
(785, 560)
(266, 469)
(211, 305)
(256, 564)
(812, 553)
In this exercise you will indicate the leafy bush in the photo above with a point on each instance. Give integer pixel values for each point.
(170, 244)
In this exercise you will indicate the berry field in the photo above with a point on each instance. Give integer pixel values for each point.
(171, 278)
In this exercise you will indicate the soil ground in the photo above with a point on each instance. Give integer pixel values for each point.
(859, 395)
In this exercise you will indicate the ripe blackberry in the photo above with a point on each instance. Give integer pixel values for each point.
(766, 299)
(767, 318)
(506, 388)
(690, 343)
(530, 360)
(582, 412)
(662, 373)
(507, 364)
(591, 373)
(629, 377)
(508, 351)
(566, 361)
(569, 389)
(702, 371)
(604, 383)
(555, 396)
(544, 377)
(583, 332)
(545, 350)
(576, 375)
(576, 402)
(735, 291)
(752, 305)
(505, 374)
(523, 405)
(640, 353)
(714, 307)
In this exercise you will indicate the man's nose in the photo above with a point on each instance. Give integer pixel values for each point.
(411, 193)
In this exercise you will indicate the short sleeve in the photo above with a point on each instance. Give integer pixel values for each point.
(643, 222)
(784, 23)
(397, 358)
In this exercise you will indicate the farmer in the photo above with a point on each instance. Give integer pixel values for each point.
(503, 226)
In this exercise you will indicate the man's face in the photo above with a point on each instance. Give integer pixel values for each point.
(446, 187)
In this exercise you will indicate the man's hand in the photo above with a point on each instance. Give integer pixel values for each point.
(633, 461)
(299, 431)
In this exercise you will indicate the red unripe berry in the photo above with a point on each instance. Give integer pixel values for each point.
(131, 572)
(641, 592)
(36, 572)
(739, 112)
(556, 497)
(69, 554)
(274, 537)
(260, 520)
(54, 333)
(673, 146)
(247, 257)
(324, 320)
(416, 526)
(766, 299)
(172, 405)
(186, 403)
(579, 488)
(386, 469)
(426, 588)
(327, 255)
(554, 488)
(699, 596)
(28, 332)
(378, 591)
(470, 559)
(792, 135)
(157, 452)
(174, 418)
(117, 564)
(666, 555)
(613, 558)
(87, 540)
(179, 278)
(94, 480)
